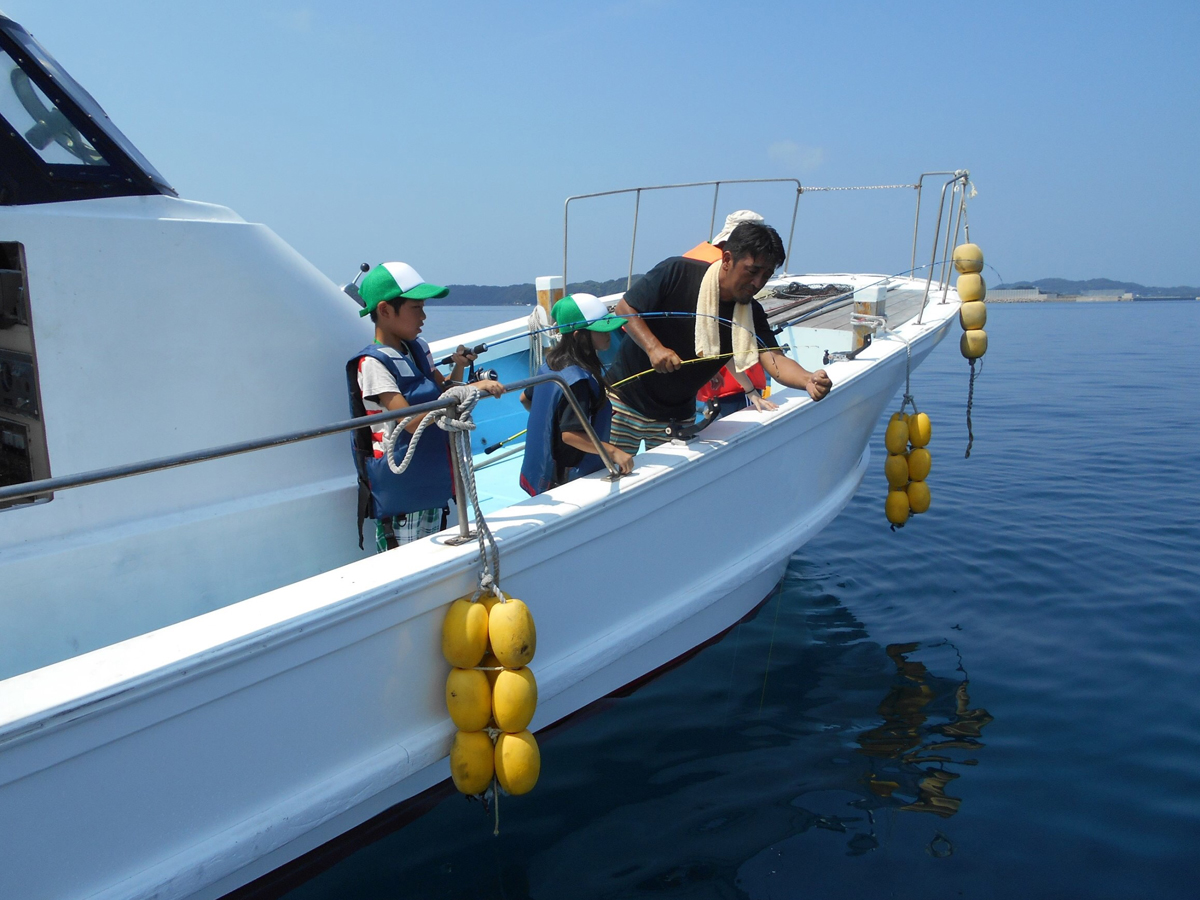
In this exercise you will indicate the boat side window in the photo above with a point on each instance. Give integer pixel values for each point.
(23, 452)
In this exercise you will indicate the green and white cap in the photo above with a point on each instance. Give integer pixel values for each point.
(576, 311)
(396, 280)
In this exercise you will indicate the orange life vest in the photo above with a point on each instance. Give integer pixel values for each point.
(705, 252)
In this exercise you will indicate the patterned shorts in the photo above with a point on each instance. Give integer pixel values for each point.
(630, 428)
(408, 528)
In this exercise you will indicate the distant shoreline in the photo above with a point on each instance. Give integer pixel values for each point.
(1084, 298)
(1046, 290)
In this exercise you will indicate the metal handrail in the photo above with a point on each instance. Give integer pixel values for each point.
(961, 176)
(662, 187)
(917, 219)
(115, 473)
(614, 470)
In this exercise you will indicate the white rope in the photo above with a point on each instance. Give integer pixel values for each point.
(538, 322)
(908, 397)
(459, 428)
(467, 397)
(864, 319)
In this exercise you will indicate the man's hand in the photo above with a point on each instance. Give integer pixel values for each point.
(664, 359)
(818, 384)
(790, 373)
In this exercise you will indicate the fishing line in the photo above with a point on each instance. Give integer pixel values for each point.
(771, 647)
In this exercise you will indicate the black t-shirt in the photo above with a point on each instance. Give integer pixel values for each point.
(674, 286)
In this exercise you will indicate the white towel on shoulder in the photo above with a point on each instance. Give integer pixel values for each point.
(708, 329)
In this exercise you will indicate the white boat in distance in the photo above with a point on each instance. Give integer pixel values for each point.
(203, 676)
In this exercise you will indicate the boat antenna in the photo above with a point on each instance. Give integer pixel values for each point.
(351, 289)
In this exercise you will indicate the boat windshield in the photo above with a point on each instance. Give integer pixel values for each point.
(36, 118)
(61, 129)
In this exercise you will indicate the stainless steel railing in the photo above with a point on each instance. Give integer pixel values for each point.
(43, 486)
(637, 192)
(959, 181)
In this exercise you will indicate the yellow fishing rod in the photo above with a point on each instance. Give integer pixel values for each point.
(499, 444)
(688, 362)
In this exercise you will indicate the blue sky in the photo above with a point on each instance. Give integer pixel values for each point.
(448, 135)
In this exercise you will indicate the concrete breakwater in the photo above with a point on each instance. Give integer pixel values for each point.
(1033, 295)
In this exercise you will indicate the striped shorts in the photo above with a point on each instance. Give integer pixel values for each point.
(630, 428)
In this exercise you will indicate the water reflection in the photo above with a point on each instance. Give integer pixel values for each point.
(910, 756)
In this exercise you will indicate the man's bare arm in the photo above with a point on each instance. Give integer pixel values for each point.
(790, 373)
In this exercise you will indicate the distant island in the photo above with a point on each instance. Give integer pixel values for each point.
(1016, 291)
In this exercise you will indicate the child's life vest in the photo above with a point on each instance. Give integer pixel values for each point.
(427, 482)
(538, 468)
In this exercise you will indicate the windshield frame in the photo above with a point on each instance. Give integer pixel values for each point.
(30, 178)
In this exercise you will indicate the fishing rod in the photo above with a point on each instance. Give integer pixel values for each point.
(512, 437)
(473, 351)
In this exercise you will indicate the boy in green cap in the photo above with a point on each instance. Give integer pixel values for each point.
(396, 371)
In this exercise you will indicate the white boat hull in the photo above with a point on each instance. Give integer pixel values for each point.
(204, 754)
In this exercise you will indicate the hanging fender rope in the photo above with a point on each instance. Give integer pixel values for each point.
(970, 402)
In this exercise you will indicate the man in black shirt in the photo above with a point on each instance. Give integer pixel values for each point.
(646, 404)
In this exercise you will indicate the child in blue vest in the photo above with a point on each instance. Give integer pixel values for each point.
(557, 449)
(394, 372)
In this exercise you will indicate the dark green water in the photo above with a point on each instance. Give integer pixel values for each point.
(1000, 700)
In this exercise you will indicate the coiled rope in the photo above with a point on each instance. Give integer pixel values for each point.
(459, 428)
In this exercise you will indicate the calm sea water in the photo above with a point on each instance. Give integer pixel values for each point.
(1000, 700)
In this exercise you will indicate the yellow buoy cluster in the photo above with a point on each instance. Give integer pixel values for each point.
(907, 466)
(491, 694)
(972, 315)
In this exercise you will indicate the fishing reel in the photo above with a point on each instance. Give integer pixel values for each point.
(472, 374)
(685, 431)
